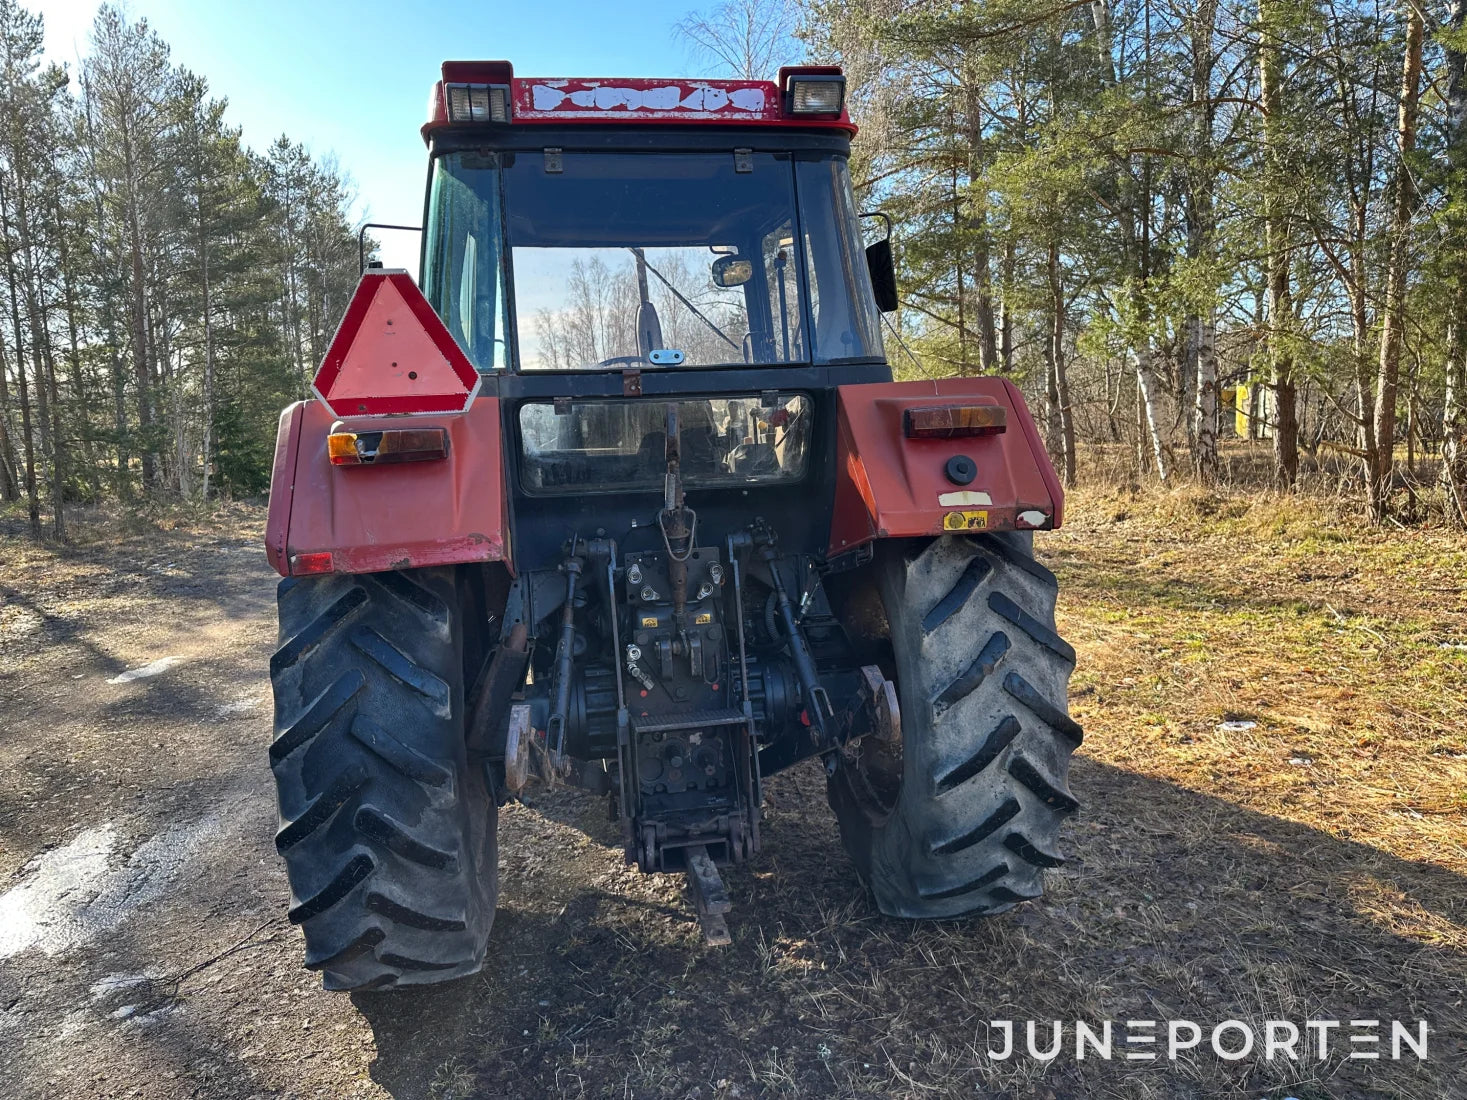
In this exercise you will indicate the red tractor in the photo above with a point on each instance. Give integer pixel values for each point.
(625, 498)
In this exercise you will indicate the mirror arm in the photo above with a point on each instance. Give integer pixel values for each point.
(882, 214)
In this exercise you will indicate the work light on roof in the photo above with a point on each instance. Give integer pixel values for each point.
(816, 94)
(477, 102)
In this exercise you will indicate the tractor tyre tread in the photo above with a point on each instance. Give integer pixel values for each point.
(983, 680)
(389, 836)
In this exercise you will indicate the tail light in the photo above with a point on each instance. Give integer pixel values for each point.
(320, 562)
(955, 421)
(387, 445)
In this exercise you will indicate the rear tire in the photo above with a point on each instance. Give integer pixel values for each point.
(389, 837)
(963, 816)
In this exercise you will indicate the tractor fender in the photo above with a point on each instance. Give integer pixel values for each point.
(372, 518)
(889, 485)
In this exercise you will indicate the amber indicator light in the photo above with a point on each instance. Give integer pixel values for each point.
(955, 421)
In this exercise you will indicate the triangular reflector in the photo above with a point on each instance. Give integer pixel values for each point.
(392, 354)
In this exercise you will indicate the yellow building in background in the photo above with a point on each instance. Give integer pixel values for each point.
(1238, 398)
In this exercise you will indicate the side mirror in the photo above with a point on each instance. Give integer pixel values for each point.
(883, 274)
(730, 271)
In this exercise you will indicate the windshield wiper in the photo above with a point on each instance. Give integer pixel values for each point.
(681, 298)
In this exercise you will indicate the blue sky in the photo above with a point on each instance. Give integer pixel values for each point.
(352, 79)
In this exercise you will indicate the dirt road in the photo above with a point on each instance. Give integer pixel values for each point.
(143, 949)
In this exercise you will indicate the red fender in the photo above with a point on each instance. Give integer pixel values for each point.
(891, 486)
(376, 517)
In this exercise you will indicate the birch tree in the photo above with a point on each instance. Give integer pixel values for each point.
(1454, 405)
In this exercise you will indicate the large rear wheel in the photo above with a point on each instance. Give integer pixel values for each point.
(389, 837)
(962, 815)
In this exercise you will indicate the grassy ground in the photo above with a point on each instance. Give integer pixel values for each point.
(1347, 647)
(1309, 866)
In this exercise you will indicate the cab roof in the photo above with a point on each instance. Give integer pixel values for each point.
(500, 98)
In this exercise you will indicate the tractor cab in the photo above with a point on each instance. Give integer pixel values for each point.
(607, 251)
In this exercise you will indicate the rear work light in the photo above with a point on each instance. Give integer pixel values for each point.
(955, 421)
(389, 445)
(813, 91)
(477, 102)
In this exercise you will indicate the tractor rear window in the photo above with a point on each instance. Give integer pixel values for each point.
(622, 444)
(713, 259)
(616, 255)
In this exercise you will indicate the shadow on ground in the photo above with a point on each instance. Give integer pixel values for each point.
(1175, 905)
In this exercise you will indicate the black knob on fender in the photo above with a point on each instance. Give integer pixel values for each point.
(961, 470)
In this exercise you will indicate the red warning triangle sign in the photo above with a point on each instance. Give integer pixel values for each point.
(392, 354)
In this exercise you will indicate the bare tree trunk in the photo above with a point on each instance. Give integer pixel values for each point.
(1278, 248)
(9, 476)
(172, 374)
(109, 317)
(1202, 245)
(27, 432)
(983, 307)
(1060, 380)
(49, 407)
(9, 479)
(1400, 259)
(291, 298)
(1364, 382)
(1186, 389)
(27, 436)
(1053, 442)
(1412, 424)
(1454, 415)
(1113, 397)
(1454, 412)
(46, 423)
(28, 442)
(9, 486)
(1204, 406)
(958, 273)
(208, 442)
(1053, 435)
(1143, 464)
(43, 361)
(1100, 21)
(142, 372)
(1359, 181)
(78, 374)
(1006, 309)
(982, 264)
(168, 391)
(1149, 386)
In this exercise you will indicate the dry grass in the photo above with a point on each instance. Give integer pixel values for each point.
(1347, 647)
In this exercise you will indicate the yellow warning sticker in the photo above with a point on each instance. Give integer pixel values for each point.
(964, 521)
(649, 620)
(703, 619)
